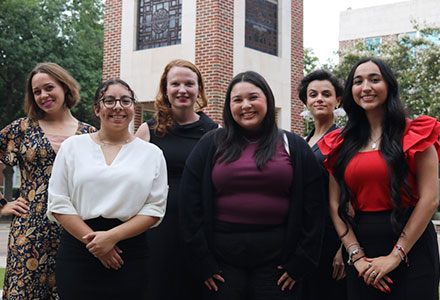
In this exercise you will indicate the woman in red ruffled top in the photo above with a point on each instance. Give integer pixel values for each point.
(384, 189)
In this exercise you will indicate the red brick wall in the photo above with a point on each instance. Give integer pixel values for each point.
(214, 50)
(111, 67)
(297, 60)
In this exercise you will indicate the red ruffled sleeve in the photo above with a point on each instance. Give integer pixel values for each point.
(420, 134)
(328, 146)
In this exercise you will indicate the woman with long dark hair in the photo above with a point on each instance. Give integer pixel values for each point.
(321, 92)
(177, 126)
(384, 189)
(252, 203)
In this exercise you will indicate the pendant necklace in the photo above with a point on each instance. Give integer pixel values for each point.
(112, 144)
(374, 145)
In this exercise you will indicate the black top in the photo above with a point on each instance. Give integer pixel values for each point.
(320, 158)
(305, 220)
(176, 145)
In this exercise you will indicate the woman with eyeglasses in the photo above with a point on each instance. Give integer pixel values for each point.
(106, 199)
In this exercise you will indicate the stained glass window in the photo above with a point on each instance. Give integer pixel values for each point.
(159, 23)
(261, 29)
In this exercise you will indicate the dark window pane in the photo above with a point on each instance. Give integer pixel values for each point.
(261, 29)
(159, 23)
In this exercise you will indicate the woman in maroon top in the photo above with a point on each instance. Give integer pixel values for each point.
(251, 201)
(384, 189)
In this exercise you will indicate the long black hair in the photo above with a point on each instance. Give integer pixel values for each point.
(356, 135)
(232, 138)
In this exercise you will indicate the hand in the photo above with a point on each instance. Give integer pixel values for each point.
(99, 243)
(210, 283)
(379, 267)
(338, 265)
(112, 259)
(16, 207)
(285, 280)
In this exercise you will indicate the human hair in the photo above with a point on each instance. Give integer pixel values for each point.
(163, 117)
(56, 72)
(231, 139)
(320, 75)
(356, 135)
(104, 86)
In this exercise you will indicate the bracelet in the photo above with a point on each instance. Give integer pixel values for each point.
(353, 253)
(359, 258)
(351, 245)
(402, 254)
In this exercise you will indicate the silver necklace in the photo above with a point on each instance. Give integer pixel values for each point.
(374, 145)
(112, 144)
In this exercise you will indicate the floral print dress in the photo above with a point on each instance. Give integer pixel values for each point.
(33, 239)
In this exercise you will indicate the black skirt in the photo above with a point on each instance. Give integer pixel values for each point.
(79, 275)
(418, 281)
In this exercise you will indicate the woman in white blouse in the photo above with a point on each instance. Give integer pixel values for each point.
(106, 198)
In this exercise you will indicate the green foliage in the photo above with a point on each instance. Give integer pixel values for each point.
(311, 62)
(416, 64)
(69, 33)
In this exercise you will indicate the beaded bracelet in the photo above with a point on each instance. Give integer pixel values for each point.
(402, 254)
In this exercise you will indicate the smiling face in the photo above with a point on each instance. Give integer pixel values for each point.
(321, 99)
(248, 106)
(117, 117)
(48, 93)
(370, 90)
(182, 88)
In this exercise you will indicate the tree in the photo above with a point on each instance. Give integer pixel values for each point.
(415, 61)
(311, 62)
(69, 33)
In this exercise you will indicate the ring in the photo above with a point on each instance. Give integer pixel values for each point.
(369, 265)
(374, 273)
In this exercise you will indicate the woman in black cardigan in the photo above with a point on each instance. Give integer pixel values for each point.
(251, 236)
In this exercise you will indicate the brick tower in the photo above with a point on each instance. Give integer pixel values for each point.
(222, 37)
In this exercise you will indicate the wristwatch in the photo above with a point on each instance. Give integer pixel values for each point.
(3, 202)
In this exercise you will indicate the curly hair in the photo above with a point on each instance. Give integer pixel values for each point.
(163, 118)
(56, 72)
(319, 75)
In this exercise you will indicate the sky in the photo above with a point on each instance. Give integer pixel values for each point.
(321, 24)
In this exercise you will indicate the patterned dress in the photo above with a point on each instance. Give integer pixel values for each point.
(33, 239)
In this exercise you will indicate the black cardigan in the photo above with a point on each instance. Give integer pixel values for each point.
(305, 222)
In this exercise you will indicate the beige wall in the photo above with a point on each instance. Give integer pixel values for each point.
(275, 69)
(388, 19)
(142, 69)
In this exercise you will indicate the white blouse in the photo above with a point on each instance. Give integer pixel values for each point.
(83, 184)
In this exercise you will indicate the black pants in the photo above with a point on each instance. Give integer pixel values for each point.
(418, 281)
(248, 259)
(81, 276)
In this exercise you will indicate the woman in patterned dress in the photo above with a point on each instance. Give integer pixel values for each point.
(32, 143)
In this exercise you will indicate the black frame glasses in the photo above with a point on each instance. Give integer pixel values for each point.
(124, 101)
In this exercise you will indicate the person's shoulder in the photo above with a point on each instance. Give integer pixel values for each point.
(85, 127)
(420, 133)
(293, 137)
(78, 139)
(207, 121)
(146, 146)
(23, 123)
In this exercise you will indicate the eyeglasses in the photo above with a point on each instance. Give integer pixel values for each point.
(124, 101)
